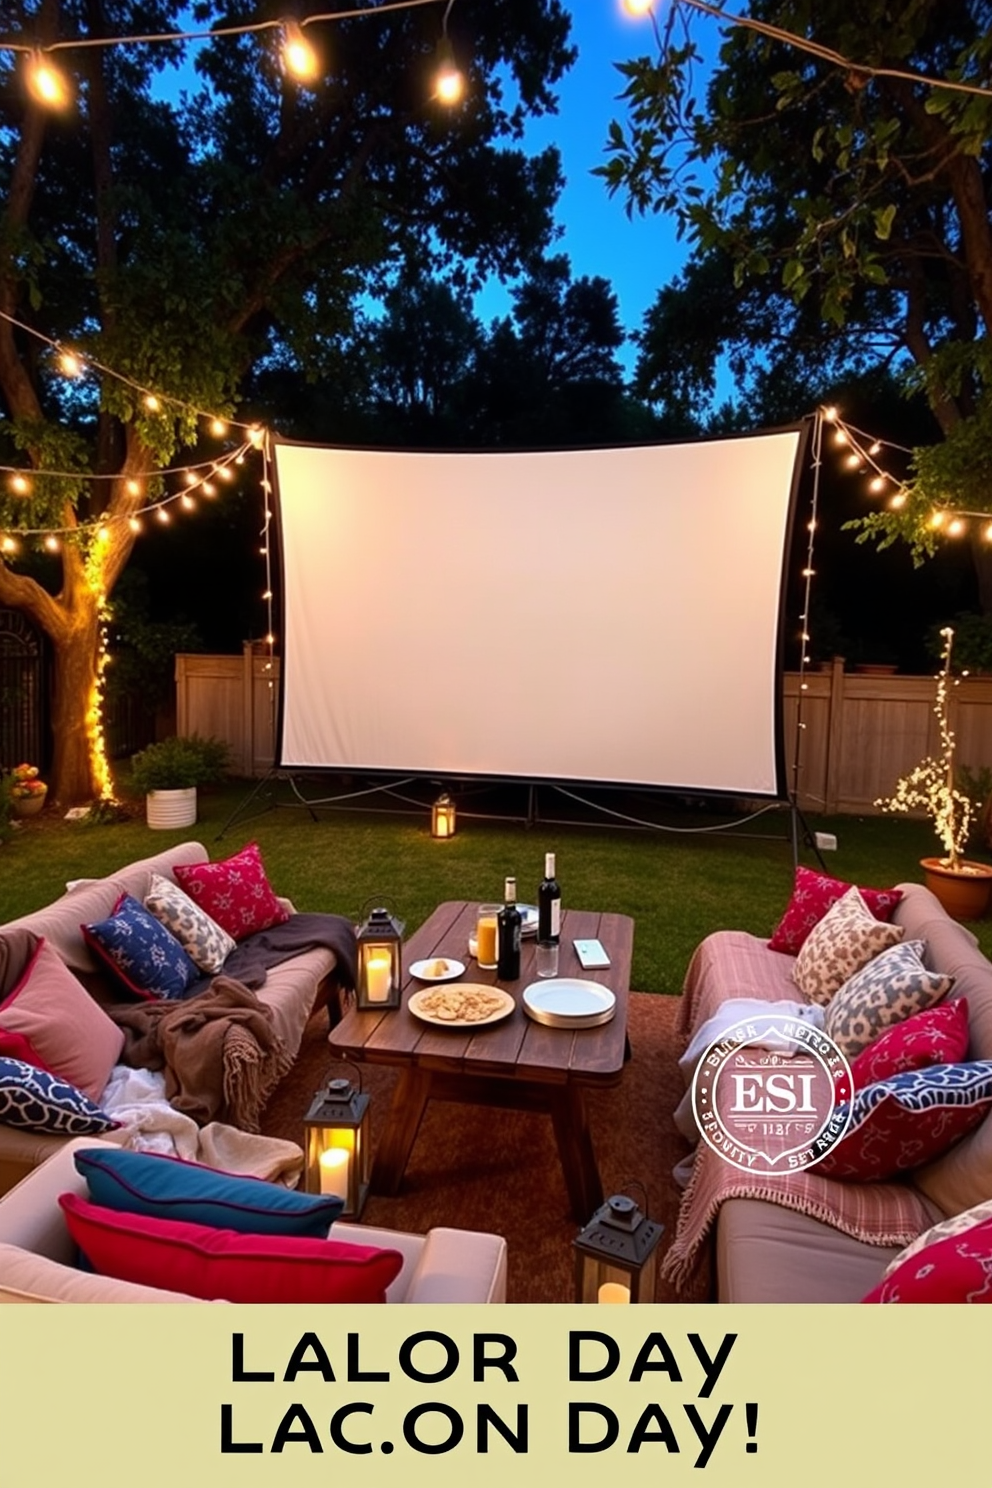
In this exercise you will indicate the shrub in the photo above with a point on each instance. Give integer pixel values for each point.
(178, 763)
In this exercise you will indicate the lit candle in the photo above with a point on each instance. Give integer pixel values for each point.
(335, 1164)
(378, 977)
(613, 1291)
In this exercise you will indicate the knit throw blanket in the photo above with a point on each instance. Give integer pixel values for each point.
(220, 1053)
(877, 1213)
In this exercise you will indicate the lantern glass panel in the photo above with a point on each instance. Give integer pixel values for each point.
(338, 1149)
(443, 817)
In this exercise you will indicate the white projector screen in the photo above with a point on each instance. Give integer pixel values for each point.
(609, 615)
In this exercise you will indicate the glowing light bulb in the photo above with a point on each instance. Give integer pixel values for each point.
(224, 473)
(70, 364)
(256, 436)
(9, 545)
(987, 533)
(270, 639)
(52, 543)
(20, 485)
(877, 484)
(268, 592)
(133, 487)
(134, 523)
(637, 8)
(898, 500)
(187, 501)
(218, 428)
(808, 573)
(208, 489)
(46, 84)
(152, 403)
(840, 437)
(956, 527)
(831, 413)
(937, 518)
(875, 448)
(191, 478)
(853, 460)
(298, 55)
(163, 515)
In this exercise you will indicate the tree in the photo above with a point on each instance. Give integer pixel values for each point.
(183, 242)
(838, 214)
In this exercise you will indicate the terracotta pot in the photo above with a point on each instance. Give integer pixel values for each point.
(964, 892)
(29, 805)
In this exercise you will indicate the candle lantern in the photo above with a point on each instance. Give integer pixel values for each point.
(338, 1145)
(443, 816)
(379, 983)
(616, 1254)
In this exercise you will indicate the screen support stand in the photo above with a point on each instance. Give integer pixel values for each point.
(242, 812)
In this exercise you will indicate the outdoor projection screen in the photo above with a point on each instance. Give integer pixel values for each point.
(596, 615)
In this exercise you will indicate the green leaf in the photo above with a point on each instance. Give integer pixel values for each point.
(794, 271)
(884, 218)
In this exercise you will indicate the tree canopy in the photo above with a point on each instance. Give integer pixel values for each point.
(186, 233)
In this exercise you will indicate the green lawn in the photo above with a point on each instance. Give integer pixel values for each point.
(678, 887)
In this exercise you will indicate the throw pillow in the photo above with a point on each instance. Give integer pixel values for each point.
(812, 895)
(140, 952)
(894, 985)
(206, 944)
(955, 1268)
(50, 1020)
(904, 1121)
(226, 1265)
(153, 1184)
(846, 939)
(38, 1101)
(938, 1035)
(955, 1225)
(235, 893)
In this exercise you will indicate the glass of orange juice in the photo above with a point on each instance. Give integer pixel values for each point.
(485, 934)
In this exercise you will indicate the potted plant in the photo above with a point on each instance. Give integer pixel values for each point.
(27, 790)
(169, 772)
(963, 887)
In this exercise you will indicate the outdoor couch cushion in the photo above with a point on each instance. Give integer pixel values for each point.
(140, 952)
(36, 1100)
(206, 943)
(954, 1268)
(236, 892)
(890, 988)
(845, 939)
(51, 1021)
(937, 1035)
(169, 1188)
(812, 895)
(224, 1264)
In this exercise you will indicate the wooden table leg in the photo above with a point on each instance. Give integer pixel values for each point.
(396, 1143)
(575, 1149)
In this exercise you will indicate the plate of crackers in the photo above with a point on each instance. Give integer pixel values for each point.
(437, 969)
(468, 1005)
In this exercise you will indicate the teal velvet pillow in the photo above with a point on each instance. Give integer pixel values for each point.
(169, 1188)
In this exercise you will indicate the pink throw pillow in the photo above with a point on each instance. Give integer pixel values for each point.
(52, 1022)
(957, 1268)
(937, 1035)
(225, 1264)
(812, 895)
(235, 893)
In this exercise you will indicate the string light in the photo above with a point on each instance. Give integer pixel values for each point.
(298, 55)
(70, 364)
(955, 527)
(152, 402)
(46, 84)
(19, 485)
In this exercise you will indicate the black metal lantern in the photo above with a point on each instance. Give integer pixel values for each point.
(443, 816)
(379, 984)
(616, 1254)
(338, 1145)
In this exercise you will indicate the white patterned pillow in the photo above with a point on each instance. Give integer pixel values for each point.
(956, 1225)
(846, 939)
(892, 987)
(205, 942)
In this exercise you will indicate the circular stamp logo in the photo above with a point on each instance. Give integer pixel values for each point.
(772, 1094)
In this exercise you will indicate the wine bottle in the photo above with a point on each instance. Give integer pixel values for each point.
(508, 936)
(549, 904)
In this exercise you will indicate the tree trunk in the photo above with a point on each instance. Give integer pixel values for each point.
(75, 663)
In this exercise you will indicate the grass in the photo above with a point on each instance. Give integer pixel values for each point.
(677, 886)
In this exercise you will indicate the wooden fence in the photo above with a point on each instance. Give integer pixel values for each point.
(859, 733)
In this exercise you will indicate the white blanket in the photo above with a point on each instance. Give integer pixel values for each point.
(136, 1099)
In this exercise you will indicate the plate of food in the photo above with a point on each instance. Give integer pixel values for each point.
(437, 969)
(469, 1005)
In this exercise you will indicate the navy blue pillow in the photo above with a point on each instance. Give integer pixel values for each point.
(168, 1188)
(142, 954)
(36, 1100)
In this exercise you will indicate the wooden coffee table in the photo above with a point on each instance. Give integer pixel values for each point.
(516, 1064)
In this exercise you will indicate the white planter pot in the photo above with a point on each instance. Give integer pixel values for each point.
(171, 808)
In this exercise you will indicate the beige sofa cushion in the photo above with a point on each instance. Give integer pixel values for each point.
(847, 938)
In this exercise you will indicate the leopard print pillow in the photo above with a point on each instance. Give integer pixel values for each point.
(203, 940)
(891, 988)
(846, 939)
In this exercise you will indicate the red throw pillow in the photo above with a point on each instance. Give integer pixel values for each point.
(906, 1120)
(937, 1035)
(235, 893)
(225, 1264)
(957, 1268)
(812, 895)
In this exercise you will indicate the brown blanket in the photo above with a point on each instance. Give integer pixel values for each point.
(221, 1054)
(16, 949)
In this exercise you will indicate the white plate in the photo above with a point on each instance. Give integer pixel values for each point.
(419, 1006)
(569, 1002)
(421, 969)
(528, 916)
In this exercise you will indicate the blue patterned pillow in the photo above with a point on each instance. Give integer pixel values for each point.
(904, 1121)
(168, 1188)
(140, 951)
(33, 1099)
